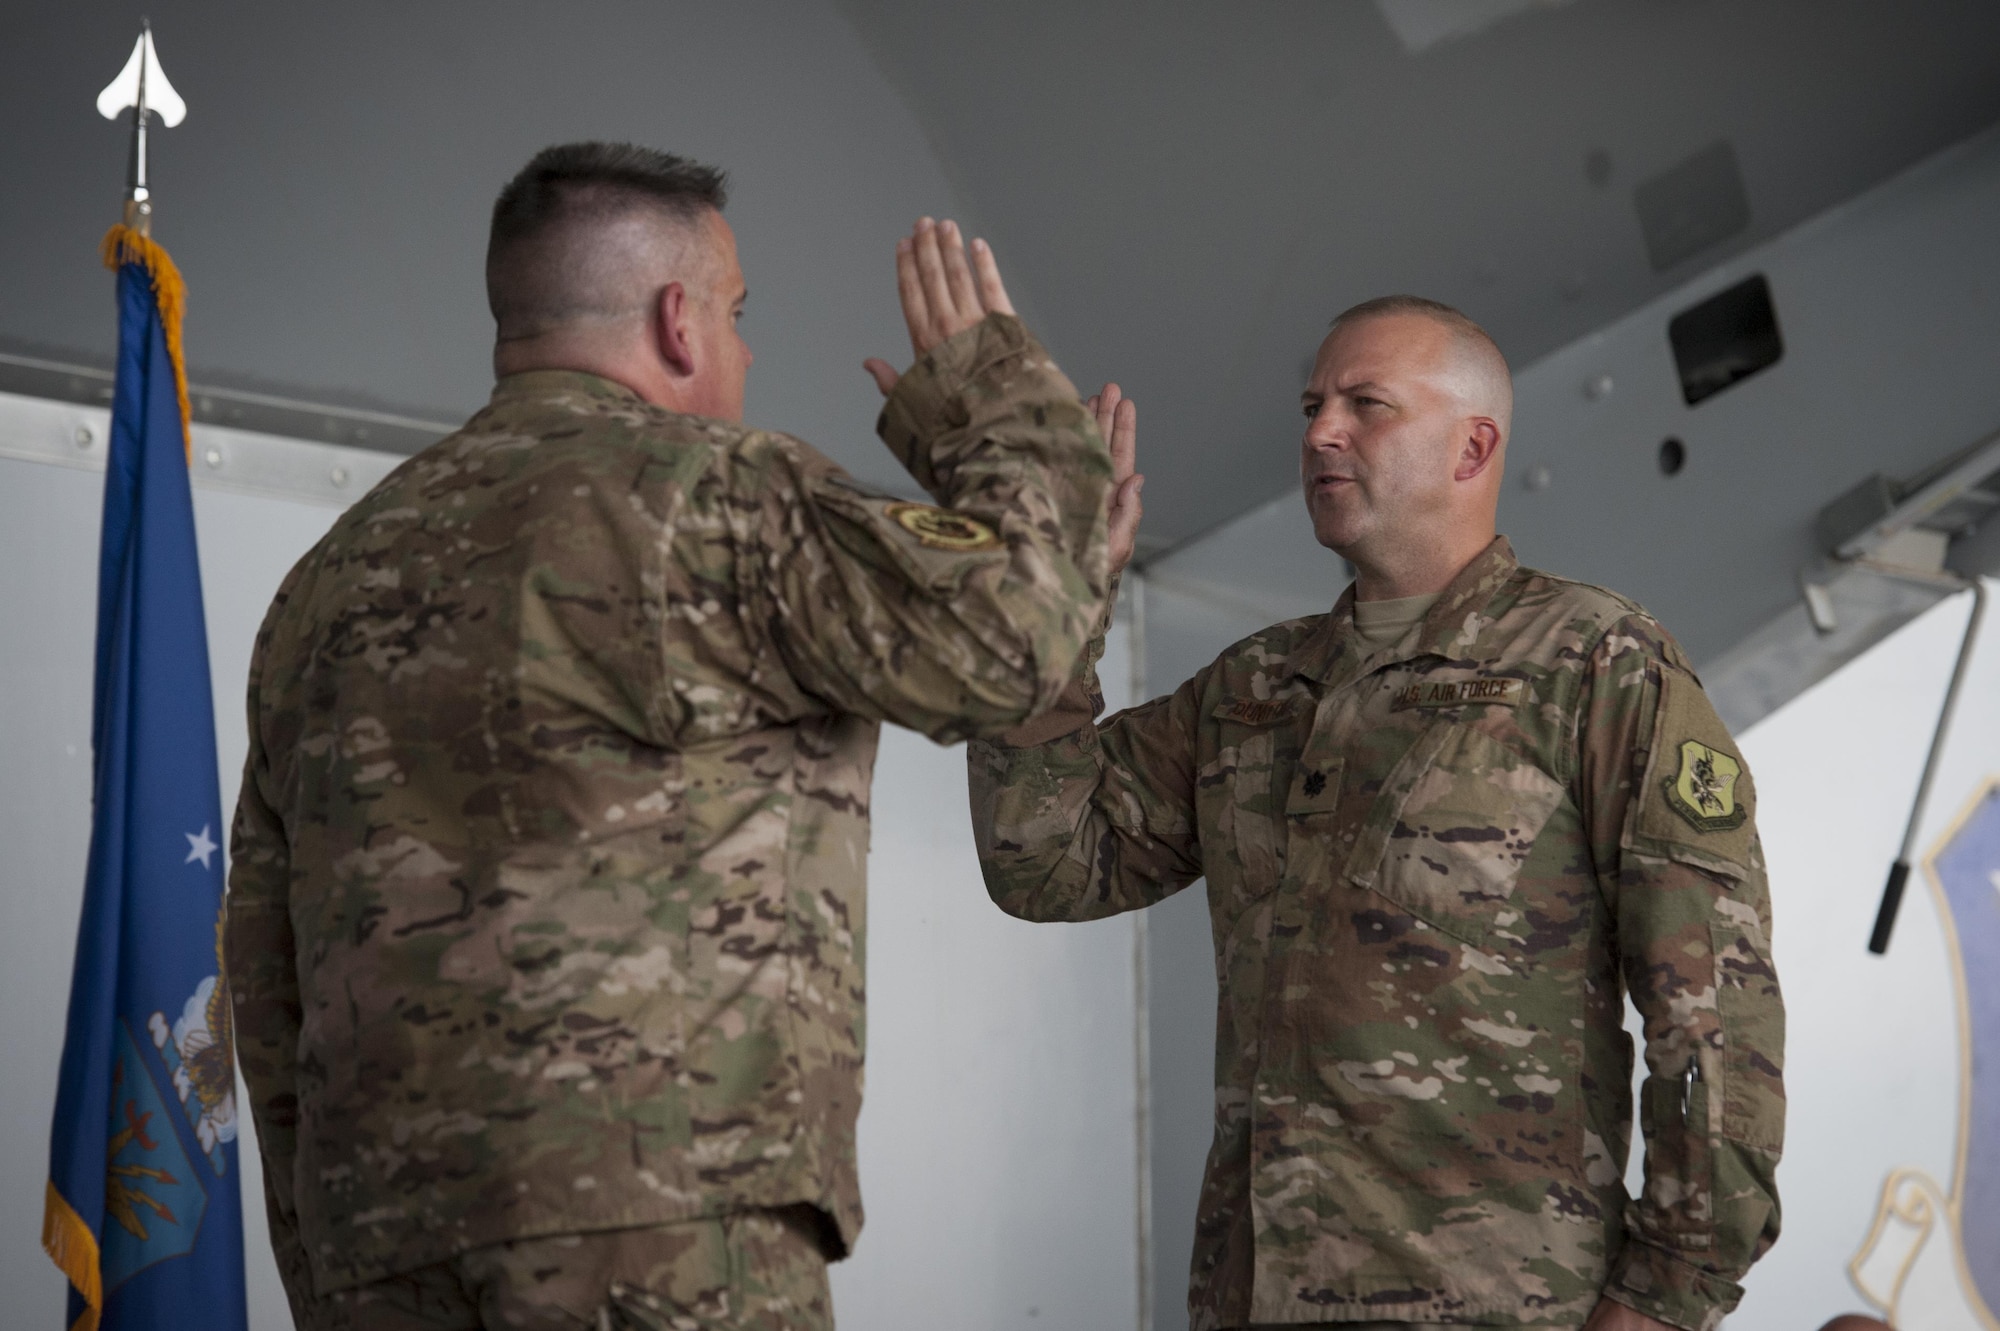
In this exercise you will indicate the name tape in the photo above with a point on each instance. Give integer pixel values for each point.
(1256, 711)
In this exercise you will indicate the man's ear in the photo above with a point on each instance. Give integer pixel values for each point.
(1478, 446)
(670, 330)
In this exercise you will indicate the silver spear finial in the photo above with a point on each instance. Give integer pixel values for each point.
(142, 88)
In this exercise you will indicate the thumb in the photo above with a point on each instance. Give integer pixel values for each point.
(884, 373)
(1125, 505)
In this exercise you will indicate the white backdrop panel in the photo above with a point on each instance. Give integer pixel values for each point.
(1871, 1054)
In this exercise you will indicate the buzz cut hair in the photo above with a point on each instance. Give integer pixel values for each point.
(562, 181)
(1424, 308)
(1483, 366)
(561, 250)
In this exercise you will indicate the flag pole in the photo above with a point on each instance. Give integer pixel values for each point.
(138, 198)
(106, 1218)
(142, 88)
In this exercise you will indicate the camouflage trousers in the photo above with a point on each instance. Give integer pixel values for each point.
(745, 1271)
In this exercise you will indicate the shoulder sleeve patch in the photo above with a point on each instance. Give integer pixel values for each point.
(942, 529)
(1697, 800)
(931, 547)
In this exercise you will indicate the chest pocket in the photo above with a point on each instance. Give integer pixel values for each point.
(1456, 819)
(1246, 787)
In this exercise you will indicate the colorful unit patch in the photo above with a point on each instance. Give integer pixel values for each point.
(1454, 692)
(943, 530)
(1704, 790)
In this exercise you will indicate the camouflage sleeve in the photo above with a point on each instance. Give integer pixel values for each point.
(1075, 820)
(259, 954)
(1670, 810)
(966, 617)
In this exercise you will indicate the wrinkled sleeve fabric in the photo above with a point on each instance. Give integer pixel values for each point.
(1672, 816)
(259, 952)
(1076, 820)
(955, 619)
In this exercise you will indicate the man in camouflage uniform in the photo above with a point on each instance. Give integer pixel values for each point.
(547, 913)
(1445, 829)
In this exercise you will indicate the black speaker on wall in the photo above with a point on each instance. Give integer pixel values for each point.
(1725, 339)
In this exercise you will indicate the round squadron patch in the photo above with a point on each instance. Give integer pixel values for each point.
(942, 529)
(1704, 790)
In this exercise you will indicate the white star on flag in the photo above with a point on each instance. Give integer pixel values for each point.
(199, 846)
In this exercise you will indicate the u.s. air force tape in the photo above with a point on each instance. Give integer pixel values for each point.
(941, 529)
(1455, 692)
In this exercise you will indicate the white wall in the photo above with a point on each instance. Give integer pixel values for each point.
(1872, 1048)
(998, 1149)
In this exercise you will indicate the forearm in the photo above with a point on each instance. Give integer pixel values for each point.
(1712, 1107)
(991, 427)
(1067, 826)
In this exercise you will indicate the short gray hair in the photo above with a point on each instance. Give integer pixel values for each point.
(1479, 355)
(1424, 308)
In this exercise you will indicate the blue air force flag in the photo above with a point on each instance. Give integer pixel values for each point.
(143, 1211)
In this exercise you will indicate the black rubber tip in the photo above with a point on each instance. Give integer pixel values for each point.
(1885, 918)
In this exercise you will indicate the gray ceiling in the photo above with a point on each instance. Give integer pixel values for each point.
(1184, 194)
(1189, 192)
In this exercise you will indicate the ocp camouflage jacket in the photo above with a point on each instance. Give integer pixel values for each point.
(1434, 871)
(546, 907)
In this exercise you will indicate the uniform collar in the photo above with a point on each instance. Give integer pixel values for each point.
(555, 383)
(1333, 653)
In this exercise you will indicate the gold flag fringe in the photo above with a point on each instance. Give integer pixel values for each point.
(71, 1245)
(123, 245)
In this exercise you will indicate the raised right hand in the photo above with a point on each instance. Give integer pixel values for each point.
(942, 294)
(1118, 421)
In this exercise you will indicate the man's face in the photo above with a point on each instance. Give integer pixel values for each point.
(1382, 434)
(713, 312)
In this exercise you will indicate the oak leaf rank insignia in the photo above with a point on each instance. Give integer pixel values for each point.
(1704, 790)
(942, 529)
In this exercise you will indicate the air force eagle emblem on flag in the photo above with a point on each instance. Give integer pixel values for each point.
(198, 1050)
